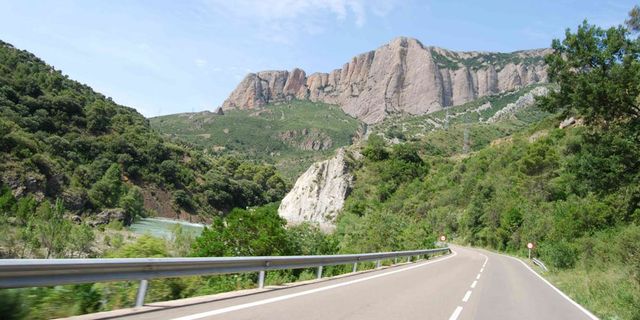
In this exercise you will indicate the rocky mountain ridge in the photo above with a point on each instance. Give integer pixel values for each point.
(403, 76)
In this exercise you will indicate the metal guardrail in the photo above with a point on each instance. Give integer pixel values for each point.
(539, 264)
(18, 273)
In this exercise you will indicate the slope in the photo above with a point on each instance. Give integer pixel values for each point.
(291, 135)
(61, 140)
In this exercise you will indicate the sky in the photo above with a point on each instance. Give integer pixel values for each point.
(164, 57)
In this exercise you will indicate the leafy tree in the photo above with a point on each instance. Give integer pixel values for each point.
(53, 229)
(598, 74)
(375, 149)
(107, 191)
(633, 23)
(252, 232)
(99, 117)
(133, 203)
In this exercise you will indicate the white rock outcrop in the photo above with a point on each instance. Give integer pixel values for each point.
(525, 101)
(319, 194)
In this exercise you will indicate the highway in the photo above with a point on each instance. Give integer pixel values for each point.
(467, 284)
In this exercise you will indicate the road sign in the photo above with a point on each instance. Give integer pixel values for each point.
(443, 238)
(530, 245)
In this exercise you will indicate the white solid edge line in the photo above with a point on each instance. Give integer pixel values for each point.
(466, 296)
(304, 293)
(456, 313)
(577, 305)
(473, 285)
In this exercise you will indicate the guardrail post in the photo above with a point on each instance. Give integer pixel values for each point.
(355, 267)
(395, 260)
(319, 273)
(409, 259)
(261, 279)
(142, 291)
(378, 264)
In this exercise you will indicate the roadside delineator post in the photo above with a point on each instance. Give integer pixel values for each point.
(261, 279)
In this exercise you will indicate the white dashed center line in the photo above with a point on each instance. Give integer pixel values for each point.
(466, 296)
(456, 313)
(458, 310)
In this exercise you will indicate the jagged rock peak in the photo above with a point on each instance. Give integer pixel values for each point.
(402, 76)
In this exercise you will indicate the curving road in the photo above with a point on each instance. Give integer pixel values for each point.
(468, 284)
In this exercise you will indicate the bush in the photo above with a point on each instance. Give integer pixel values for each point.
(628, 246)
(561, 255)
(12, 306)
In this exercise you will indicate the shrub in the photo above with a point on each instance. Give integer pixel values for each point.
(561, 254)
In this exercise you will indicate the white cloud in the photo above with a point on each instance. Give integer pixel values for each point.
(200, 62)
(282, 21)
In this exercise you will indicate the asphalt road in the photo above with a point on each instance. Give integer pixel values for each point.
(468, 284)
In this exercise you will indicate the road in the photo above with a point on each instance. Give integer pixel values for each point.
(468, 284)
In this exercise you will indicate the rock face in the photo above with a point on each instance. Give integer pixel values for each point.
(319, 193)
(401, 76)
(306, 139)
(522, 102)
(108, 215)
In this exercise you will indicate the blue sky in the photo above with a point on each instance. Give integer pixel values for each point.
(164, 57)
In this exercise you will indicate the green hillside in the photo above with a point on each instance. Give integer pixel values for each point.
(291, 135)
(60, 140)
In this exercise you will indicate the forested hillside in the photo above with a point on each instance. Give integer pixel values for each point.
(63, 143)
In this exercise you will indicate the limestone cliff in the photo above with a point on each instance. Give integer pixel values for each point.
(319, 194)
(401, 76)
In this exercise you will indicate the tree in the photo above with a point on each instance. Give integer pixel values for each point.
(106, 192)
(633, 23)
(254, 232)
(375, 149)
(53, 228)
(598, 74)
(133, 203)
(99, 117)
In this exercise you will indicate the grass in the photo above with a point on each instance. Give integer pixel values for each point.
(257, 134)
(608, 293)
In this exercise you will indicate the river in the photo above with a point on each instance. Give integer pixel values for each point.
(163, 228)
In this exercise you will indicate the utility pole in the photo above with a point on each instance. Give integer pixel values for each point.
(466, 144)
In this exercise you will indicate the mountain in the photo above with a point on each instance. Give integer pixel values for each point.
(291, 135)
(403, 76)
(60, 140)
(319, 194)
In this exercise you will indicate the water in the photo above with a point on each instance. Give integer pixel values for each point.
(163, 228)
